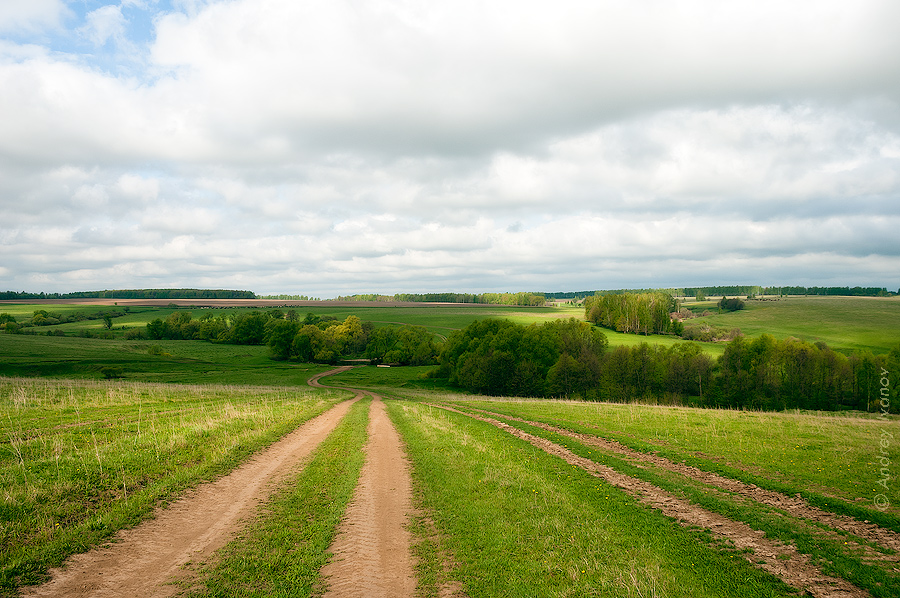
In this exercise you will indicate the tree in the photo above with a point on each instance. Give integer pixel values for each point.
(249, 329)
(280, 338)
(308, 342)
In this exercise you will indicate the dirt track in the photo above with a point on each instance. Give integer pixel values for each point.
(795, 505)
(372, 549)
(145, 559)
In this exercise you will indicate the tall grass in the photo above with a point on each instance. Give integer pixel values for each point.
(80, 460)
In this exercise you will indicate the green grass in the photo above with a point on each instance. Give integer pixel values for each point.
(519, 522)
(82, 459)
(183, 362)
(830, 551)
(845, 323)
(281, 552)
(822, 454)
(617, 339)
(385, 379)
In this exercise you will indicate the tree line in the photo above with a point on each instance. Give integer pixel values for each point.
(521, 298)
(135, 294)
(571, 359)
(499, 357)
(313, 338)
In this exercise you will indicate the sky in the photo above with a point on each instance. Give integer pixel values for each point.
(333, 147)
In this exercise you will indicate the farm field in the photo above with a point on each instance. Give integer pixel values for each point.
(844, 323)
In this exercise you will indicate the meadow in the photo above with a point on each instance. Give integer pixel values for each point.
(843, 323)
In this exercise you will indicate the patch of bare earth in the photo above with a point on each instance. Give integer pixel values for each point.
(144, 561)
(781, 560)
(793, 505)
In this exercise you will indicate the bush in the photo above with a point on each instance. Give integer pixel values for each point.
(110, 372)
(731, 304)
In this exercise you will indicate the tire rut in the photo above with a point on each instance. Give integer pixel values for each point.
(781, 560)
(146, 560)
(793, 505)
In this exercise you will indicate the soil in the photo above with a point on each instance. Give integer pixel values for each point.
(781, 560)
(146, 560)
(371, 553)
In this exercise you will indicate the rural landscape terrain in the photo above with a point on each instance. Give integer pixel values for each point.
(628, 444)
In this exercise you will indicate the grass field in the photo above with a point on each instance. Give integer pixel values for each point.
(182, 362)
(843, 323)
(827, 454)
(838, 553)
(522, 523)
(83, 459)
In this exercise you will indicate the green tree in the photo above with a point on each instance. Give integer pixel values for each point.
(280, 336)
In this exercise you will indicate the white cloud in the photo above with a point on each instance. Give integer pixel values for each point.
(104, 23)
(31, 15)
(406, 145)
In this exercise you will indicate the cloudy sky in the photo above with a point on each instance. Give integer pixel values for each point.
(339, 146)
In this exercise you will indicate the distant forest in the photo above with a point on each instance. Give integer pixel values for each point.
(533, 299)
(136, 294)
(742, 290)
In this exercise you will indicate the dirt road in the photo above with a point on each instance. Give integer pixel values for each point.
(148, 557)
(372, 556)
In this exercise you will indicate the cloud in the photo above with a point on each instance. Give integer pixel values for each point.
(325, 148)
(103, 24)
(31, 16)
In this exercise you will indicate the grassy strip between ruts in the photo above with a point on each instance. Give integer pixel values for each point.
(282, 551)
(519, 522)
(816, 456)
(85, 459)
(834, 557)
